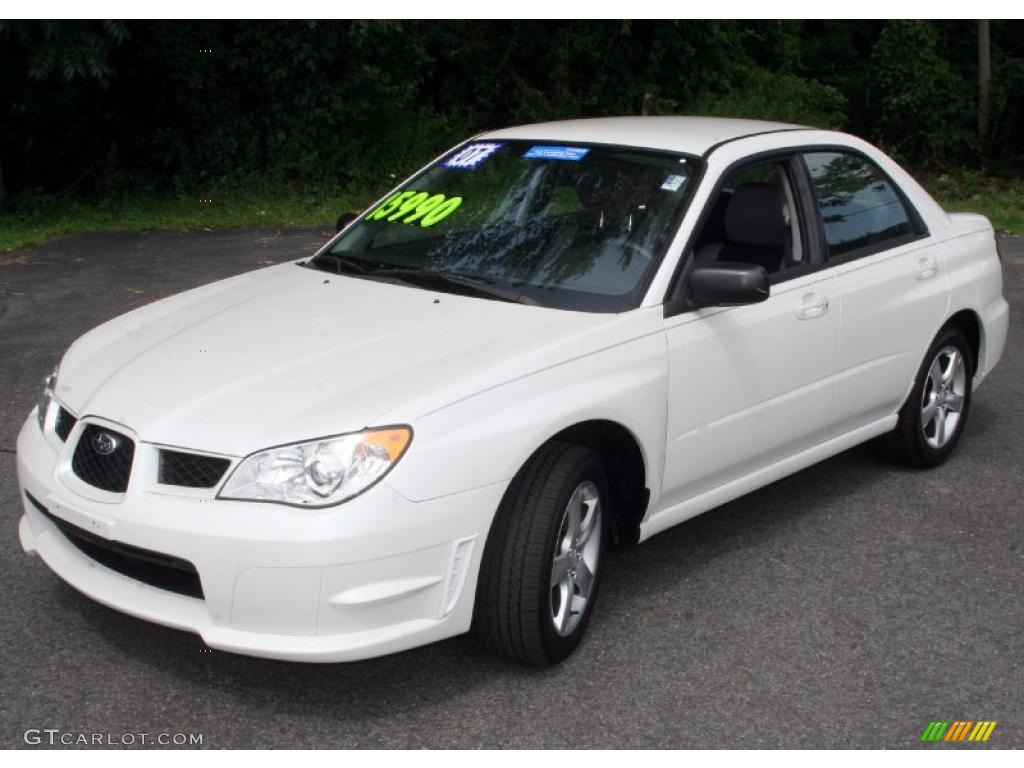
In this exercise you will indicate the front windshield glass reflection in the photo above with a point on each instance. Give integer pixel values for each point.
(575, 227)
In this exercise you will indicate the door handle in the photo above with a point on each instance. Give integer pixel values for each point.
(812, 305)
(926, 267)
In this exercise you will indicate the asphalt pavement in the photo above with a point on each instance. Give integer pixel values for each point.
(846, 606)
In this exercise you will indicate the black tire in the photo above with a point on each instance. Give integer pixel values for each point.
(512, 615)
(907, 442)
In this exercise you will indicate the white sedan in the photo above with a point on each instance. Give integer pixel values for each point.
(553, 338)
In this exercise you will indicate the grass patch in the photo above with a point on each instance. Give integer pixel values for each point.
(30, 220)
(1000, 199)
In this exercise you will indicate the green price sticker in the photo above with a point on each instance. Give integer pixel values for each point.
(410, 207)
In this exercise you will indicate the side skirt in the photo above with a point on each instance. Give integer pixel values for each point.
(684, 510)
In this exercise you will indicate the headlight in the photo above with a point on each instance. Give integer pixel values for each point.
(49, 385)
(319, 473)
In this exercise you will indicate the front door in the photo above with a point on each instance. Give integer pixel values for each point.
(751, 385)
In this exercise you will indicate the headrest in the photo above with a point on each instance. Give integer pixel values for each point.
(755, 215)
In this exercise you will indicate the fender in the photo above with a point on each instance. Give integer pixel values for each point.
(486, 438)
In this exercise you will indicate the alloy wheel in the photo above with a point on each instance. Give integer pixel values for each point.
(942, 399)
(574, 564)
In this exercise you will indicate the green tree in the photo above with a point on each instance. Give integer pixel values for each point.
(199, 107)
(925, 108)
(35, 52)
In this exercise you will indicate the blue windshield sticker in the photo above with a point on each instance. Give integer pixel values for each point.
(472, 155)
(673, 182)
(542, 152)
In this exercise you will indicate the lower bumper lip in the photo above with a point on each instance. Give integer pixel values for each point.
(166, 572)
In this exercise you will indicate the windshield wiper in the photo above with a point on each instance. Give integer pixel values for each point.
(342, 264)
(420, 278)
(474, 285)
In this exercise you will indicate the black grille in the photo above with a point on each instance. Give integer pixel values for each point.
(109, 471)
(190, 469)
(64, 424)
(158, 570)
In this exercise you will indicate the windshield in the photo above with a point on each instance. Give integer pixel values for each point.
(574, 227)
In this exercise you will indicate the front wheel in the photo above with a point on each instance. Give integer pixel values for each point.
(541, 565)
(933, 418)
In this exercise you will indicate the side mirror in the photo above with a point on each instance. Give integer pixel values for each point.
(345, 219)
(727, 283)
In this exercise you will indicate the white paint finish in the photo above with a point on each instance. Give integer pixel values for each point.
(689, 135)
(976, 283)
(276, 600)
(486, 438)
(995, 323)
(723, 494)
(749, 385)
(366, 541)
(355, 597)
(720, 402)
(893, 303)
(383, 591)
(333, 354)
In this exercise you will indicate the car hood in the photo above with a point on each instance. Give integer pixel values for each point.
(287, 354)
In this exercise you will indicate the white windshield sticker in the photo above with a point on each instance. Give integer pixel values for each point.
(673, 182)
(472, 156)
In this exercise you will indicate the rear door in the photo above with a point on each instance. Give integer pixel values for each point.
(893, 288)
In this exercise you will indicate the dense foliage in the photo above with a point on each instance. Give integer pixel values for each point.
(105, 109)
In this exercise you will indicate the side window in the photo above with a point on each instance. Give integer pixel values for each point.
(752, 220)
(859, 207)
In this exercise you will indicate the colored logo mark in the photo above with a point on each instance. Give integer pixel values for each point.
(958, 730)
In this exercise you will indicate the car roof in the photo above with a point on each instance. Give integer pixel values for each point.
(689, 135)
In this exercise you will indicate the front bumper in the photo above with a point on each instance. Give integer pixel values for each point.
(375, 575)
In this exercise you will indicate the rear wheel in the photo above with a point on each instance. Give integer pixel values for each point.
(933, 417)
(541, 566)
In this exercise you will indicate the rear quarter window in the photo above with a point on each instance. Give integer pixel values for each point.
(860, 209)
